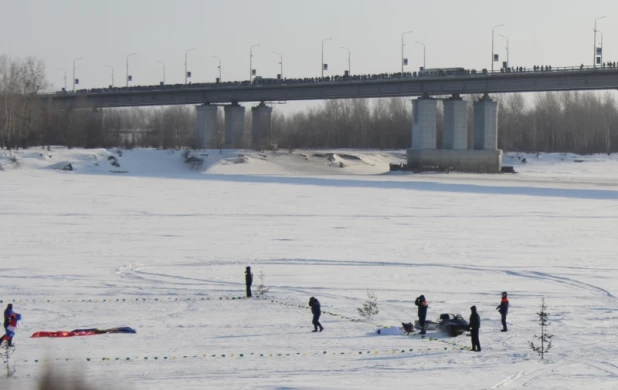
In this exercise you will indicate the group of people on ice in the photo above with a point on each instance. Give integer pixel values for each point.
(420, 302)
(11, 322)
(475, 320)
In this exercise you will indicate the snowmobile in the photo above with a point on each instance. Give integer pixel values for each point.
(451, 324)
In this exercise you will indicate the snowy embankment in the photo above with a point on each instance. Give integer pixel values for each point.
(161, 247)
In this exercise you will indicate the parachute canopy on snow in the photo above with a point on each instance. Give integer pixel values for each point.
(82, 332)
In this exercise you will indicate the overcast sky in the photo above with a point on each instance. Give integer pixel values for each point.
(455, 32)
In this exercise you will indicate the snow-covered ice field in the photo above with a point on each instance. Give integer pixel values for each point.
(162, 248)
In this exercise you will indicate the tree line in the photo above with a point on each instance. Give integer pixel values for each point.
(579, 122)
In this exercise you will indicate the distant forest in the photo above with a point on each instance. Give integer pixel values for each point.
(578, 122)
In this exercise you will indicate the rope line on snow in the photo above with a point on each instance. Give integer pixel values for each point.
(374, 352)
(125, 300)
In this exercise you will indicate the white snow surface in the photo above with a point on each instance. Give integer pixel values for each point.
(160, 247)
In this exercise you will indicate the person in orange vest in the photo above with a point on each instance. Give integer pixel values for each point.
(503, 308)
(422, 304)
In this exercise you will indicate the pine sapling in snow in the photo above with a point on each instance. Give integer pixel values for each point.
(370, 307)
(544, 338)
(6, 351)
(262, 289)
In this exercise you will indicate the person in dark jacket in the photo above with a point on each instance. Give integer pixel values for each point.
(7, 314)
(422, 304)
(475, 326)
(503, 308)
(316, 311)
(248, 281)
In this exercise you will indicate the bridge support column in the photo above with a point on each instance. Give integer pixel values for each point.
(424, 112)
(485, 124)
(485, 158)
(455, 124)
(234, 125)
(206, 126)
(261, 126)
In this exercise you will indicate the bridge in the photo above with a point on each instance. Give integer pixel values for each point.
(558, 79)
(453, 153)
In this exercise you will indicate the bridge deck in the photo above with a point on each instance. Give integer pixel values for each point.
(573, 79)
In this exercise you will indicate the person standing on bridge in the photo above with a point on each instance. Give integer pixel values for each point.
(248, 281)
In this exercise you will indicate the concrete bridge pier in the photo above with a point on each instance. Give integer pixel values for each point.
(424, 111)
(484, 158)
(455, 135)
(261, 126)
(234, 125)
(206, 126)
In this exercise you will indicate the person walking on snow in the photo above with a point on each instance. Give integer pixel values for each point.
(7, 313)
(316, 311)
(14, 319)
(422, 304)
(475, 326)
(503, 308)
(248, 281)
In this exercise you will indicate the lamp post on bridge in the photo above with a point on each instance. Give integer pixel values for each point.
(75, 81)
(280, 64)
(251, 71)
(349, 66)
(507, 49)
(65, 78)
(112, 68)
(594, 56)
(218, 67)
(324, 40)
(404, 61)
(493, 56)
(186, 70)
(163, 64)
(127, 68)
(422, 44)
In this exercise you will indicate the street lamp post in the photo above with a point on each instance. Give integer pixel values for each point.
(127, 68)
(492, 44)
(162, 64)
(402, 45)
(324, 40)
(349, 67)
(507, 50)
(251, 62)
(424, 52)
(594, 53)
(280, 64)
(219, 67)
(65, 78)
(76, 59)
(186, 69)
(109, 66)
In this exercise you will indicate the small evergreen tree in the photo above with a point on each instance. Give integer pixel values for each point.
(370, 307)
(262, 289)
(544, 338)
(6, 352)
